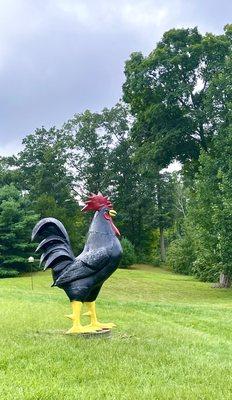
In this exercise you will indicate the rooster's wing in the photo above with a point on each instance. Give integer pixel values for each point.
(85, 264)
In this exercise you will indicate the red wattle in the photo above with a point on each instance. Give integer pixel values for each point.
(115, 229)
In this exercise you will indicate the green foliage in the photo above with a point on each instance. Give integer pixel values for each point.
(170, 96)
(16, 222)
(69, 214)
(205, 269)
(204, 248)
(8, 173)
(8, 273)
(168, 92)
(102, 158)
(181, 255)
(129, 256)
(43, 165)
(154, 256)
(89, 151)
(210, 208)
(162, 92)
(45, 174)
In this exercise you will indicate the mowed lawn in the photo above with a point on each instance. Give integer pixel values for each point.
(173, 340)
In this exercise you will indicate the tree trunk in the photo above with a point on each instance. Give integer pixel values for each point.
(162, 245)
(203, 140)
(224, 280)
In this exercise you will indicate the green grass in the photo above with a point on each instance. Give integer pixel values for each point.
(173, 341)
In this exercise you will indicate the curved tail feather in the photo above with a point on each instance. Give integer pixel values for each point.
(48, 227)
(55, 245)
(52, 250)
(48, 241)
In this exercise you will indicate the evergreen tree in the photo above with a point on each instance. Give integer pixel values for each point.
(16, 222)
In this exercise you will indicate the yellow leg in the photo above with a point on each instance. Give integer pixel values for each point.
(75, 317)
(95, 324)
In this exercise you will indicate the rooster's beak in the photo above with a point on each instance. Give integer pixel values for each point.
(112, 213)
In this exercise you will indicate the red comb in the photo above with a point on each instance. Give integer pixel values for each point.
(96, 201)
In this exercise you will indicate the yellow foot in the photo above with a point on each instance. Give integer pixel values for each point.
(78, 329)
(101, 325)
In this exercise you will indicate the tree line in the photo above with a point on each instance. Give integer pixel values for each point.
(176, 105)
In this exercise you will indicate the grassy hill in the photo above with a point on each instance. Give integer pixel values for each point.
(173, 341)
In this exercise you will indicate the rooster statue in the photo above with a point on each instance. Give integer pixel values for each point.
(82, 277)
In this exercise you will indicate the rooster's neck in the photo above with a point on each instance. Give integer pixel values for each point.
(100, 225)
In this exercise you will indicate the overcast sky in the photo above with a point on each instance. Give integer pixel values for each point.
(59, 57)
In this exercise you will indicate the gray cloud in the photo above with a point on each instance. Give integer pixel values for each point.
(62, 56)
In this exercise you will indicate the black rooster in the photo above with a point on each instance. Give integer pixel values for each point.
(82, 277)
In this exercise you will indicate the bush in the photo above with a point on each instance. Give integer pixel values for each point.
(8, 273)
(156, 261)
(128, 256)
(181, 256)
(151, 259)
(205, 270)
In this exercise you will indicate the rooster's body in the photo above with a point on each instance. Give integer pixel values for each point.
(81, 277)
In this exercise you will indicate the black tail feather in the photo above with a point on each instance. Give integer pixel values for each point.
(53, 250)
(48, 227)
(56, 257)
(50, 240)
(55, 244)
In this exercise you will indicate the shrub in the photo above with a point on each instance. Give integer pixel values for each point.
(8, 273)
(128, 256)
(181, 256)
(156, 261)
(205, 270)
